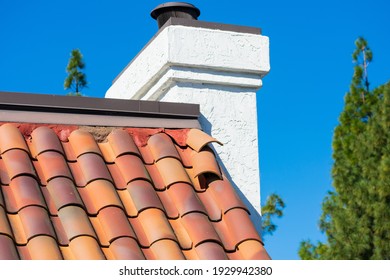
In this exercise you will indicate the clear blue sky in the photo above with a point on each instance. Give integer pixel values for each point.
(311, 43)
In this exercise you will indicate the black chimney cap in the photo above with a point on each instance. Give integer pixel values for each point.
(174, 9)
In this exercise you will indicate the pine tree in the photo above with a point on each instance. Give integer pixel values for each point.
(76, 80)
(356, 215)
(273, 206)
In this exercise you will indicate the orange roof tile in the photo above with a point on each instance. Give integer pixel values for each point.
(133, 194)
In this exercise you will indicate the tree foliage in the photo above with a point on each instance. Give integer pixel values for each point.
(274, 206)
(76, 79)
(355, 215)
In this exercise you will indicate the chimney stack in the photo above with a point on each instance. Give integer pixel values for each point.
(218, 66)
(162, 13)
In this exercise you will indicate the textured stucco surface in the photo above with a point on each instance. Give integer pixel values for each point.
(221, 71)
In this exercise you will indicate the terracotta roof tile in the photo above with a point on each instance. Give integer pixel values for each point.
(121, 143)
(83, 142)
(125, 248)
(5, 228)
(63, 192)
(185, 199)
(107, 152)
(99, 194)
(172, 171)
(135, 194)
(161, 146)
(155, 226)
(75, 222)
(131, 168)
(224, 194)
(7, 248)
(114, 224)
(166, 250)
(197, 139)
(86, 248)
(205, 162)
(44, 248)
(45, 139)
(143, 195)
(23, 191)
(4, 177)
(252, 250)
(53, 164)
(199, 228)
(93, 167)
(211, 251)
(11, 138)
(17, 162)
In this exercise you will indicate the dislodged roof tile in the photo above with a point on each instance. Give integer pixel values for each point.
(129, 194)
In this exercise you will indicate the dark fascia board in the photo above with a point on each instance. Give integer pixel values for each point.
(199, 24)
(97, 106)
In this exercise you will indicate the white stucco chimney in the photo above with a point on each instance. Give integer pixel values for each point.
(219, 67)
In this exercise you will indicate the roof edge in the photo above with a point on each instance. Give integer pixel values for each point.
(45, 103)
(91, 111)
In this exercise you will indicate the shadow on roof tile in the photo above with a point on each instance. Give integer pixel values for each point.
(69, 153)
(155, 175)
(204, 162)
(116, 175)
(168, 205)
(128, 203)
(11, 138)
(212, 208)
(107, 152)
(5, 180)
(185, 155)
(146, 155)
(77, 174)
(181, 234)
(8, 250)
(5, 228)
(45, 139)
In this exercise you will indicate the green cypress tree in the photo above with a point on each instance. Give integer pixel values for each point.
(76, 79)
(356, 216)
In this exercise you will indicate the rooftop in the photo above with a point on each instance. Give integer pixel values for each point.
(89, 183)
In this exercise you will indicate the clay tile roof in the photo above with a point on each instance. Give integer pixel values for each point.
(131, 193)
